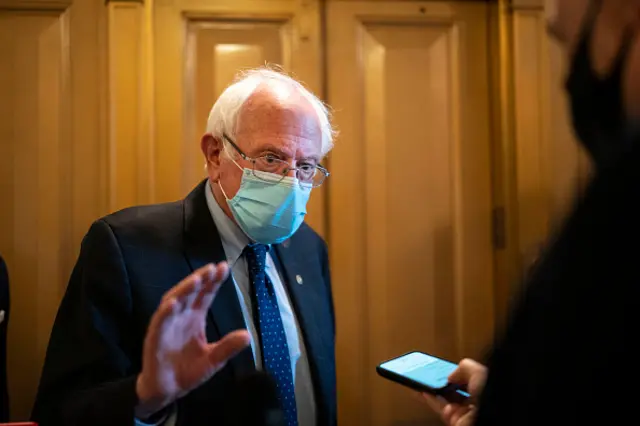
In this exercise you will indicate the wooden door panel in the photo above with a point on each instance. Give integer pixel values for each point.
(552, 167)
(34, 204)
(215, 53)
(51, 167)
(410, 205)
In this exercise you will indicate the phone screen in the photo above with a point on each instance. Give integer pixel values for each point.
(425, 369)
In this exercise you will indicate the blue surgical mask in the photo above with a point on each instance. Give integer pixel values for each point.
(266, 210)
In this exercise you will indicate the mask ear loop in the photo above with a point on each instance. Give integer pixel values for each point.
(220, 185)
(222, 189)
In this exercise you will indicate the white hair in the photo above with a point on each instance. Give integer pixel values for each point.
(223, 117)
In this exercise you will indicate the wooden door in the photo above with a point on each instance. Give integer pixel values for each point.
(551, 166)
(199, 46)
(52, 165)
(410, 196)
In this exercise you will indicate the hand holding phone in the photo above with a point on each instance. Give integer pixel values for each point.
(425, 373)
(474, 375)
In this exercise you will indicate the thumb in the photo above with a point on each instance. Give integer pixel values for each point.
(467, 368)
(228, 347)
(436, 403)
(470, 374)
(468, 419)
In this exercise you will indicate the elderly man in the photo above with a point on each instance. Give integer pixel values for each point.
(128, 343)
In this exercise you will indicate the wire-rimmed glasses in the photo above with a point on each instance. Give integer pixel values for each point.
(313, 174)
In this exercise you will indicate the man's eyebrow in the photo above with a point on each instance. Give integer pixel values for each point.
(272, 148)
(280, 152)
(313, 158)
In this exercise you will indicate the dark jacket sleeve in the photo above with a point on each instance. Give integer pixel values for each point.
(568, 353)
(89, 375)
(326, 274)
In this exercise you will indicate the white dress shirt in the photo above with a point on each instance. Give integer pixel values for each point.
(234, 241)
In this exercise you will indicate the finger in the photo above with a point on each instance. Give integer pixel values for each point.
(447, 414)
(467, 420)
(164, 311)
(207, 287)
(436, 403)
(210, 287)
(454, 418)
(189, 284)
(228, 347)
(203, 296)
(187, 301)
(463, 373)
(452, 413)
(476, 384)
(222, 272)
(474, 376)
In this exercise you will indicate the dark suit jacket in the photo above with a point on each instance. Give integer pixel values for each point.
(4, 306)
(128, 260)
(569, 355)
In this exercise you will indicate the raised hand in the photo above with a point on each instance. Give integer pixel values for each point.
(176, 356)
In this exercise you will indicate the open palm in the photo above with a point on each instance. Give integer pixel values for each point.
(177, 357)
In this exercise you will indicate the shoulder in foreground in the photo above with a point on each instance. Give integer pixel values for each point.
(144, 214)
(151, 222)
(307, 236)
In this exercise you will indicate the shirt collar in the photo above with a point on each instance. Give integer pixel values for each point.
(233, 239)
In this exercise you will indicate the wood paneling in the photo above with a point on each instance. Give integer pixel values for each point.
(51, 166)
(102, 106)
(410, 208)
(130, 106)
(551, 168)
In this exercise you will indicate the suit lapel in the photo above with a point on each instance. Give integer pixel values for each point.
(304, 293)
(203, 246)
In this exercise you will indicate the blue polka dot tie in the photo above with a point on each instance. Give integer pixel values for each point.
(273, 341)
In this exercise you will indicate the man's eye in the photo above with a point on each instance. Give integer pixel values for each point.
(307, 167)
(271, 158)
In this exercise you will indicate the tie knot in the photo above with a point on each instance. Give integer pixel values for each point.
(256, 255)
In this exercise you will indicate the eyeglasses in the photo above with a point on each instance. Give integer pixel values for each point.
(313, 174)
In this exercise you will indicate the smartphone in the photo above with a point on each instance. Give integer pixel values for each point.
(424, 373)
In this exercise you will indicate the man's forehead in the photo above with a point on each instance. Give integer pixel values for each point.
(280, 91)
(277, 96)
(283, 112)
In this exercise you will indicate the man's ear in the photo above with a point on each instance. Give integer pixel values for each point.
(211, 148)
